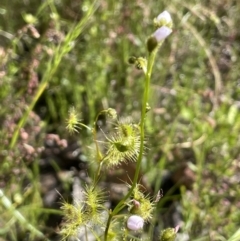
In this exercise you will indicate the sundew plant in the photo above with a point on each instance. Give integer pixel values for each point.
(125, 142)
(119, 126)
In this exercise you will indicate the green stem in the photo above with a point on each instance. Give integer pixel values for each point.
(99, 154)
(23, 120)
(94, 131)
(121, 205)
(85, 126)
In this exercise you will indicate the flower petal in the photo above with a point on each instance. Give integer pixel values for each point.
(135, 223)
(161, 33)
(164, 16)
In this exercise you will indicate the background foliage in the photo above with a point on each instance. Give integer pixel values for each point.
(193, 127)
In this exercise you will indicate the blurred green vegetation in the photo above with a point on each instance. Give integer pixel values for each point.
(195, 98)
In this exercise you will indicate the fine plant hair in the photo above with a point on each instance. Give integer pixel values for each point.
(125, 142)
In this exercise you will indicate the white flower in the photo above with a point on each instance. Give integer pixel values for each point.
(164, 17)
(135, 223)
(161, 33)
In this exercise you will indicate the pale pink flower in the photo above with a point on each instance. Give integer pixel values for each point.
(161, 33)
(135, 223)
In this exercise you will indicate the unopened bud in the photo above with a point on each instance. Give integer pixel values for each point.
(163, 19)
(112, 113)
(168, 234)
(148, 107)
(132, 60)
(135, 223)
(158, 36)
(152, 43)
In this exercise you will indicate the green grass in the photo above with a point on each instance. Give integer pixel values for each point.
(80, 60)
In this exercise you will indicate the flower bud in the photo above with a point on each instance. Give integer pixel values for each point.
(158, 36)
(132, 60)
(141, 63)
(135, 223)
(168, 234)
(148, 107)
(163, 19)
(136, 203)
(112, 113)
(152, 43)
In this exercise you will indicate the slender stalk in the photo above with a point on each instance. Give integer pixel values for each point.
(121, 205)
(85, 126)
(86, 236)
(94, 131)
(99, 154)
(23, 120)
